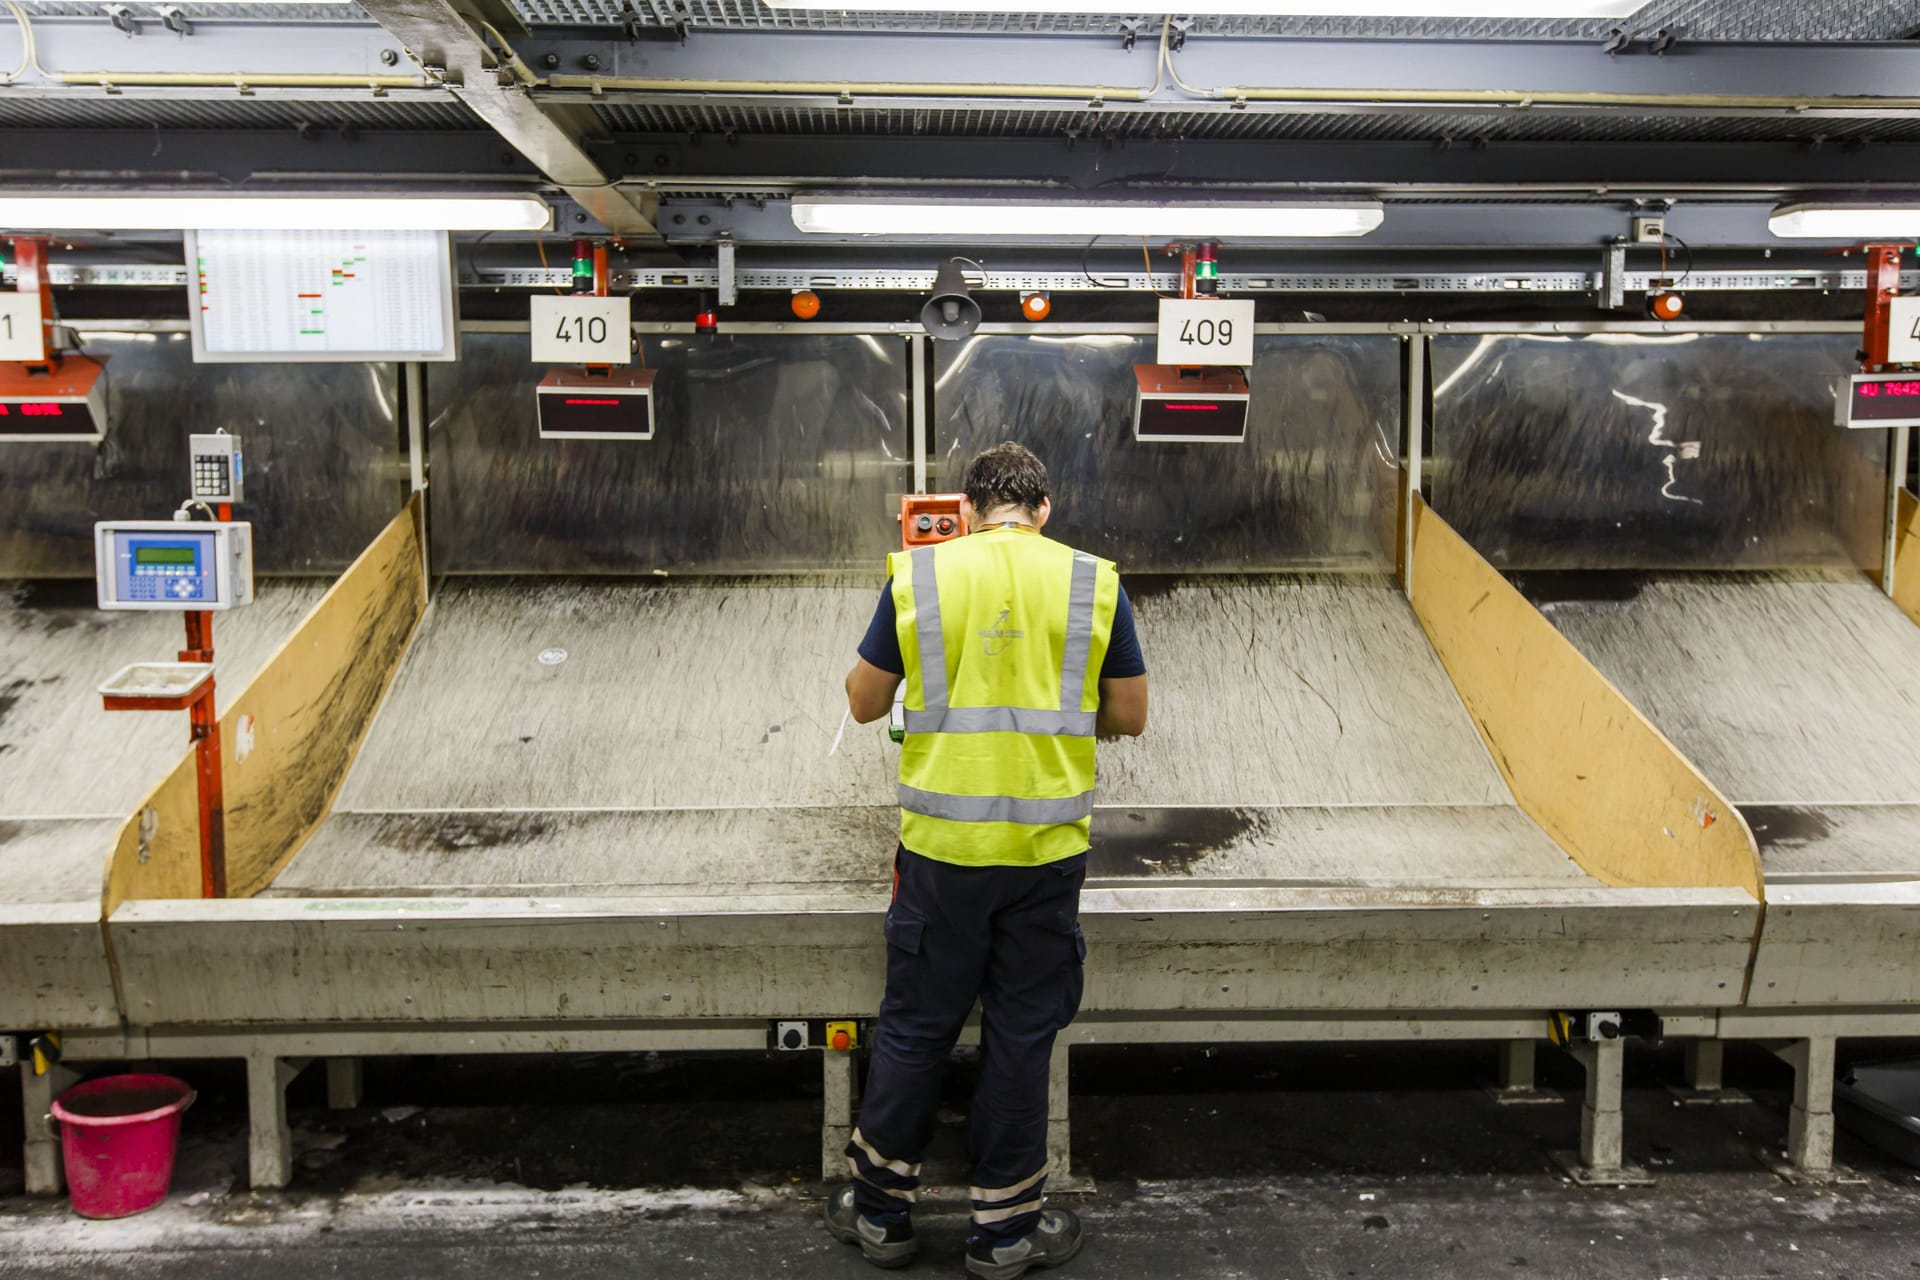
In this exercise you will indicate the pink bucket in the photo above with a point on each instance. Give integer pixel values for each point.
(118, 1135)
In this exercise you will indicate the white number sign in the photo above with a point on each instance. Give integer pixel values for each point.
(20, 326)
(582, 330)
(1206, 331)
(1903, 331)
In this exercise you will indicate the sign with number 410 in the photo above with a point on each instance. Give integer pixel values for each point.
(581, 329)
(1206, 331)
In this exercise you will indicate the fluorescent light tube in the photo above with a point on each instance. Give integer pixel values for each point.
(1846, 221)
(1553, 10)
(854, 216)
(273, 213)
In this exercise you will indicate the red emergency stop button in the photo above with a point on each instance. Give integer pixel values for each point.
(841, 1040)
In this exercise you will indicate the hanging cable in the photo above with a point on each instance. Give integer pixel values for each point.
(29, 53)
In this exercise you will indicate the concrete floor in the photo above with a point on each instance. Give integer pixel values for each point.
(1338, 1161)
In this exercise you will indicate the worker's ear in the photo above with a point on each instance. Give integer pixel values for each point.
(1041, 512)
(966, 513)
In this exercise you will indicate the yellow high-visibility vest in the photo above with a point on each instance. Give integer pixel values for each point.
(1003, 633)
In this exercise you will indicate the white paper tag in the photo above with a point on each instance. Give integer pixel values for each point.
(20, 326)
(1206, 331)
(582, 330)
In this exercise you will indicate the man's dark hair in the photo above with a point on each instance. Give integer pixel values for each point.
(1006, 475)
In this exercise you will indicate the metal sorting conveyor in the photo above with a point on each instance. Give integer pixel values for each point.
(579, 737)
(1800, 695)
(70, 773)
(638, 799)
(1682, 508)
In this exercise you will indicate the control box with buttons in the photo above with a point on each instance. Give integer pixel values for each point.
(173, 565)
(216, 470)
(927, 518)
(792, 1035)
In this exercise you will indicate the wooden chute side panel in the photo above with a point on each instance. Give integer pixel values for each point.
(1580, 759)
(289, 738)
(158, 852)
(1906, 557)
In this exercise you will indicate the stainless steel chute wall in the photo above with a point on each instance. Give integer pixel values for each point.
(1311, 487)
(772, 454)
(1653, 451)
(323, 466)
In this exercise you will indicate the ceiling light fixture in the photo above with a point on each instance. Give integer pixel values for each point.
(1846, 221)
(908, 216)
(1569, 10)
(103, 212)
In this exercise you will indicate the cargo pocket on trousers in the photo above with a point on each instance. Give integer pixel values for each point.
(906, 933)
(1073, 961)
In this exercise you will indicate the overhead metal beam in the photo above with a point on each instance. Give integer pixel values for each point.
(1588, 169)
(442, 38)
(314, 157)
(1007, 68)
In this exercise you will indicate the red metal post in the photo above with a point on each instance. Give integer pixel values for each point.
(206, 745)
(1883, 285)
(30, 276)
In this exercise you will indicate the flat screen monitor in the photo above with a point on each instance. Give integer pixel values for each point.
(312, 296)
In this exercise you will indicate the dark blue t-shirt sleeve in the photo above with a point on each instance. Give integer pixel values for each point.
(1124, 659)
(881, 645)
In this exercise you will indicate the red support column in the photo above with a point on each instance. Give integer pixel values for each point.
(206, 745)
(1883, 285)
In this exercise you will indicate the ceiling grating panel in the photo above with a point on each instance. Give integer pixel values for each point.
(123, 112)
(1766, 20)
(1124, 126)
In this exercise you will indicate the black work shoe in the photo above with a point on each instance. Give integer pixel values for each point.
(1055, 1240)
(886, 1245)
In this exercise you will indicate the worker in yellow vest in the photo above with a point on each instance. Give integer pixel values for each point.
(1016, 651)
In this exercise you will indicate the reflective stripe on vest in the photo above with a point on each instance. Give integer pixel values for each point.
(1031, 813)
(937, 717)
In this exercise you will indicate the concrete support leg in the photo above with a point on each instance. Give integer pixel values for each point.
(44, 1177)
(1059, 1130)
(1810, 1123)
(1516, 1066)
(836, 1123)
(1601, 1160)
(1704, 1084)
(1602, 1133)
(1516, 1082)
(1706, 1060)
(269, 1141)
(344, 1083)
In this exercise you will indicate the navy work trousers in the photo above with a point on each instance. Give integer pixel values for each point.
(1010, 938)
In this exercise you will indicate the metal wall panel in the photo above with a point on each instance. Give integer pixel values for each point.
(323, 472)
(1312, 486)
(1653, 451)
(772, 453)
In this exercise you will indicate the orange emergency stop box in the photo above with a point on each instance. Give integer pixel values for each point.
(927, 518)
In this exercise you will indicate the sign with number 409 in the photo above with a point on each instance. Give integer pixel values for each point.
(1206, 331)
(581, 329)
